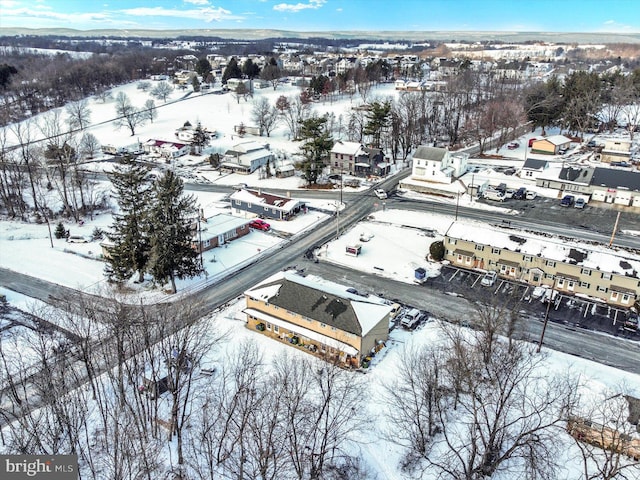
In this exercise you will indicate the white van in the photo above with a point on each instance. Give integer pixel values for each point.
(410, 319)
(494, 195)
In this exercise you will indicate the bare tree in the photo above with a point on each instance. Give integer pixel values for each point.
(162, 91)
(79, 114)
(293, 111)
(264, 115)
(604, 436)
(150, 112)
(127, 115)
(89, 145)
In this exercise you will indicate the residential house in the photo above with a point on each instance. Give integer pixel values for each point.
(344, 156)
(219, 229)
(550, 145)
(318, 316)
(616, 150)
(187, 132)
(597, 273)
(439, 165)
(248, 203)
(532, 168)
(166, 149)
(246, 157)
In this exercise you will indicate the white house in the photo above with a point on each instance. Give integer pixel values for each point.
(166, 149)
(439, 165)
(532, 168)
(247, 157)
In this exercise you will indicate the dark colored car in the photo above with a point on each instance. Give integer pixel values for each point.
(520, 194)
(567, 201)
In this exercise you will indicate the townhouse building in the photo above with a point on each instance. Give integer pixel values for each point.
(599, 273)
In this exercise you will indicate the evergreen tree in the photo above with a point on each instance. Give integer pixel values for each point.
(203, 68)
(377, 121)
(172, 216)
(232, 70)
(60, 231)
(317, 145)
(250, 69)
(130, 250)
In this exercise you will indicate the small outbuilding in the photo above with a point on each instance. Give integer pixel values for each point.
(552, 145)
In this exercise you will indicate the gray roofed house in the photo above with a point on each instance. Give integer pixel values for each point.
(321, 315)
(532, 167)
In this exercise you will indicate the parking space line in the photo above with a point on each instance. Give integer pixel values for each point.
(454, 274)
(476, 281)
(499, 287)
(524, 294)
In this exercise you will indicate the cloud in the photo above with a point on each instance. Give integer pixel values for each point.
(291, 7)
(207, 14)
(197, 2)
(43, 13)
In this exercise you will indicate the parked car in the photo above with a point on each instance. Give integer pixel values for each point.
(489, 279)
(567, 201)
(259, 224)
(591, 144)
(240, 186)
(513, 145)
(380, 193)
(410, 319)
(520, 193)
(509, 193)
(77, 239)
(530, 195)
(580, 203)
(494, 195)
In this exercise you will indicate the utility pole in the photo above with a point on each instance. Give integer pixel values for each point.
(615, 228)
(546, 316)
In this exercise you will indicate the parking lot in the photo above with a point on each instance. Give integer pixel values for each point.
(567, 310)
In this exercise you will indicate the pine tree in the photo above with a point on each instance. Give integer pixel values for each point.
(232, 70)
(130, 231)
(60, 231)
(172, 216)
(316, 147)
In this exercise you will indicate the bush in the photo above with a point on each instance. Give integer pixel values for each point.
(436, 250)
(98, 233)
(60, 231)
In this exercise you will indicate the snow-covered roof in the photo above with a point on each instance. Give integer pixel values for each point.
(430, 153)
(222, 223)
(322, 300)
(556, 139)
(347, 148)
(599, 257)
(258, 197)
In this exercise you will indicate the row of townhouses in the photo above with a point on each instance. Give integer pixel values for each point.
(602, 274)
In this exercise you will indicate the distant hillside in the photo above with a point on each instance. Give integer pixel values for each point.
(415, 36)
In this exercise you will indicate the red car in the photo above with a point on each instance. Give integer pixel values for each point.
(259, 225)
(513, 145)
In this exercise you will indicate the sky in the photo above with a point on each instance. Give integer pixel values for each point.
(615, 16)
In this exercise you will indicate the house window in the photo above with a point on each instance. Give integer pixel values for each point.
(248, 205)
(333, 329)
(560, 282)
(268, 326)
(585, 285)
(614, 296)
(548, 276)
(323, 325)
(528, 258)
(571, 285)
(550, 263)
(237, 202)
(480, 248)
(601, 288)
(496, 251)
(276, 328)
(453, 241)
(606, 276)
(585, 271)
(625, 298)
(207, 243)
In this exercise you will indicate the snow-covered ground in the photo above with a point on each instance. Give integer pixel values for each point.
(26, 248)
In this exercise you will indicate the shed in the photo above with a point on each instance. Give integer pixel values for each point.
(550, 145)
